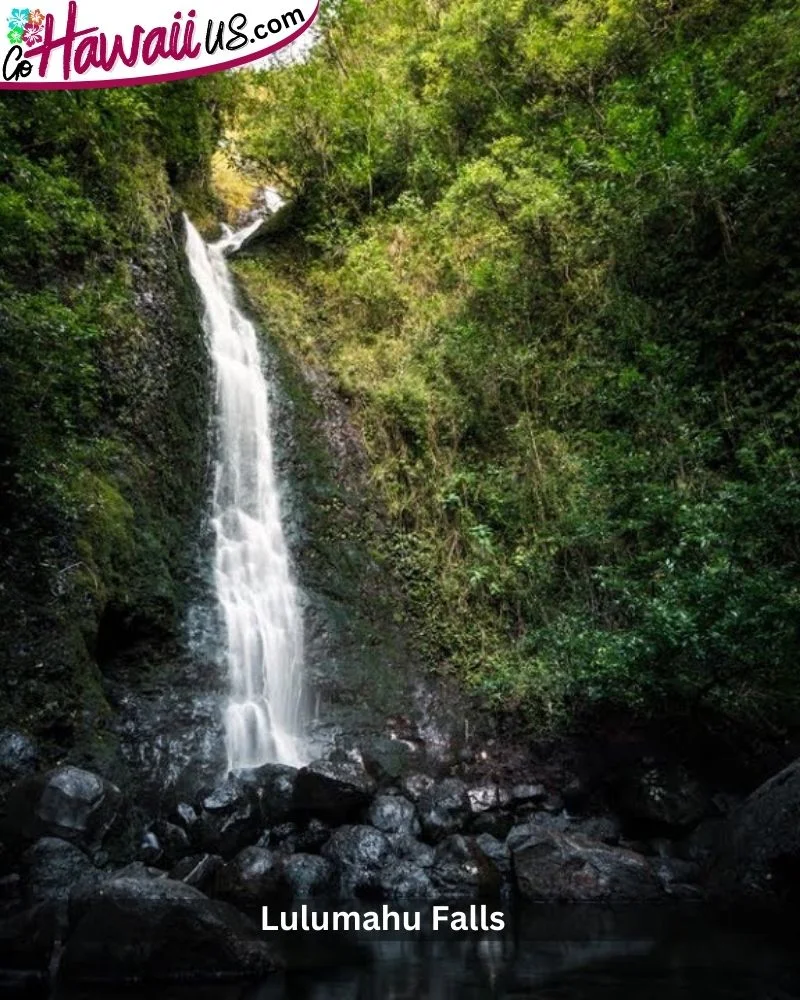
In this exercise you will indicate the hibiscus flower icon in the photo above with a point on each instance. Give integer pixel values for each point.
(15, 36)
(32, 34)
(35, 18)
(18, 19)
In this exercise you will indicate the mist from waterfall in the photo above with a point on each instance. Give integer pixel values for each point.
(255, 590)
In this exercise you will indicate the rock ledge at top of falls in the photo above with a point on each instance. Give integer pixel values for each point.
(276, 220)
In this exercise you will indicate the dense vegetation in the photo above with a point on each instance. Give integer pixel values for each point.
(98, 431)
(550, 251)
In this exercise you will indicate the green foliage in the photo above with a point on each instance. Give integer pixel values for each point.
(79, 187)
(90, 459)
(554, 262)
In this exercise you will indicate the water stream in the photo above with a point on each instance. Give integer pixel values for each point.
(255, 590)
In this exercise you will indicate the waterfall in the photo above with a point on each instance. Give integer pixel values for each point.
(256, 594)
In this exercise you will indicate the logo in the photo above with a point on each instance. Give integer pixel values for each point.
(95, 44)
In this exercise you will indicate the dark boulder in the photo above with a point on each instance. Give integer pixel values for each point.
(483, 797)
(228, 829)
(358, 853)
(186, 816)
(706, 842)
(496, 822)
(560, 867)
(408, 848)
(680, 879)
(250, 878)
(308, 875)
(358, 847)
(394, 814)
(536, 824)
(230, 795)
(414, 786)
(404, 880)
(523, 794)
(135, 870)
(274, 787)
(173, 840)
(553, 803)
(496, 851)
(332, 790)
(198, 870)
(150, 849)
(52, 867)
(67, 802)
(311, 838)
(759, 845)
(462, 870)
(281, 837)
(444, 809)
(18, 755)
(146, 930)
(603, 828)
(387, 760)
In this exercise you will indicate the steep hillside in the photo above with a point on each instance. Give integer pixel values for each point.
(549, 253)
(103, 389)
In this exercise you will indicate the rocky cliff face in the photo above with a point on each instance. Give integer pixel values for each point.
(101, 583)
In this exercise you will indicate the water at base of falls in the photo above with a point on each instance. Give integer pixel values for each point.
(256, 594)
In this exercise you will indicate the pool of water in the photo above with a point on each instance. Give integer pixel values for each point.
(565, 953)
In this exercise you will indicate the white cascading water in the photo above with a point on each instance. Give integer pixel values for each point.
(257, 596)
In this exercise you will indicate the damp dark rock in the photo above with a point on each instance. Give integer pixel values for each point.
(228, 832)
(228, 796)
(496, 822)
(394, 814)
(496, 851)
(483, 797)
(312, 838)
(603, 828)
(250, 878)
(560, 867)
(18, 755)
(414, 786)
(174, 841)
(282, 837)
(404, 880)
(67, 802)
(462, 870)
(680, 879)
(358, 847)
(534, 825)
(332, 790)
(387, 760)
(186, 816)
(523, 794)
(759, 845)
(159, 930)
(274, 785)
(198, 870)
(444, 809)
(408, 848)
(308, 876)
(52, 866)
